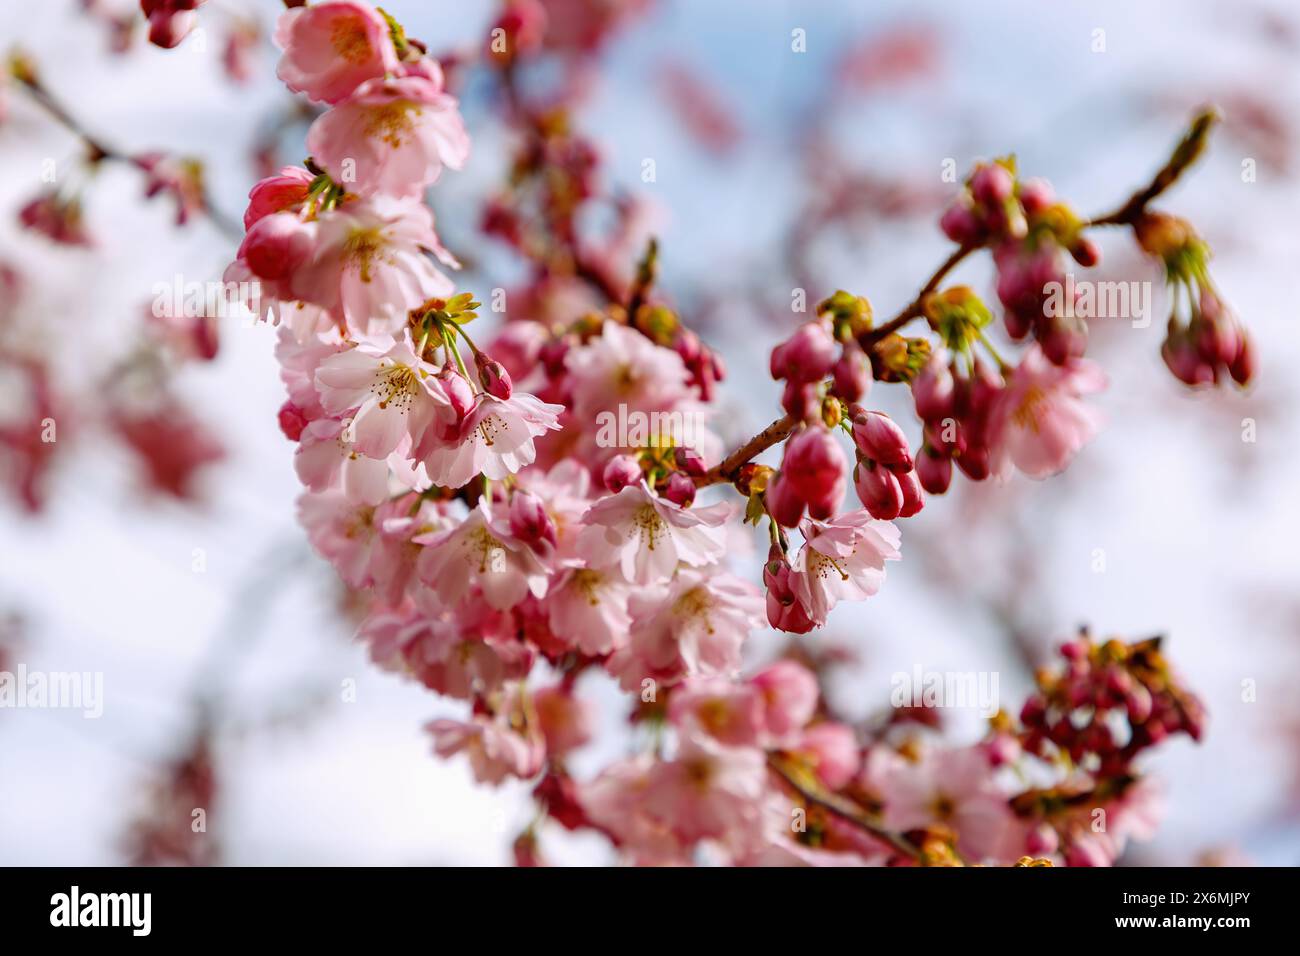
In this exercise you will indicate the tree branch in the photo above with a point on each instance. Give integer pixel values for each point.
(842, 808)
(1188, 150)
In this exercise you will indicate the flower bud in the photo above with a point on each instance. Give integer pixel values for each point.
(992, 184)
(807, 356)
(530, 523)
(292, 421)
(852, 375)
(276, 245)
(783, 503)
(493, 375)
(621, 471)
(1035, 196)
(680, 489)
(451, 417)
(689, 461)
(799, 399)
(878, 437)
(913, 496)
(878, 490)
(1242, 367)
(1063, 337)
(934, 472)
(960, 224)
(784, 612)
(1086, 252)
(934, 390)
(813, 468)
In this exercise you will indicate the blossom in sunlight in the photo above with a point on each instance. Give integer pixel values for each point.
(841, 559)
(391, 136)
(332, 48)
(645, 536)
(1041, 420)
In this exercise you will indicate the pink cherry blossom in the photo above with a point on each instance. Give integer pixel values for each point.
(588, 610)
(342, 531)
(730, 713)
(391, 395)
(391, 136)
(495, 440)
(566, 720)
(646, 536)
(481, 553)
(622, 366)
(842, 559)
(371, 265)
(1040, 420)
(326, 459)
(694, 626)
(495, 750)
(332, 48)
(788, 692)
(956, 788)
(286, 190)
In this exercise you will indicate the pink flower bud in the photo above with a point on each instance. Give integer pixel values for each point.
(879, 438)
(1242, 366)
(292, 421)
(493, 375)
(974, 463)
(992, 184)
(1182, 359)
(621, 471)
(1035, 195)
(286, 190)
(960, 224)
(799, 399)
(530, 523)
(276, 245)
(689, 461)
(934, 390)
(1063, 338)
(783, 503)
(784, 612)
(878, 490)
(913, 496)
(852, 375)
(934, 472)
(807, 356)
(458, 389)
(680, 489)
(814, 467)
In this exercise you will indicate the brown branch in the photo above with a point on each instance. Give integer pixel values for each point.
(731, 465)
(96, 149)
(1187, 151)
(842, 808)
(916, 307)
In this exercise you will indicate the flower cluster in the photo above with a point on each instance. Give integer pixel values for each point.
(524, 511)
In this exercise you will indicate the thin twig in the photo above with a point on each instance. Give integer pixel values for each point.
(1187, 151)
(842, 808)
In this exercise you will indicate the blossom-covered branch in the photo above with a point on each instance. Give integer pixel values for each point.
(519, 507)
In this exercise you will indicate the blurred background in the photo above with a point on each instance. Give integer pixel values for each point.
(155, 540)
